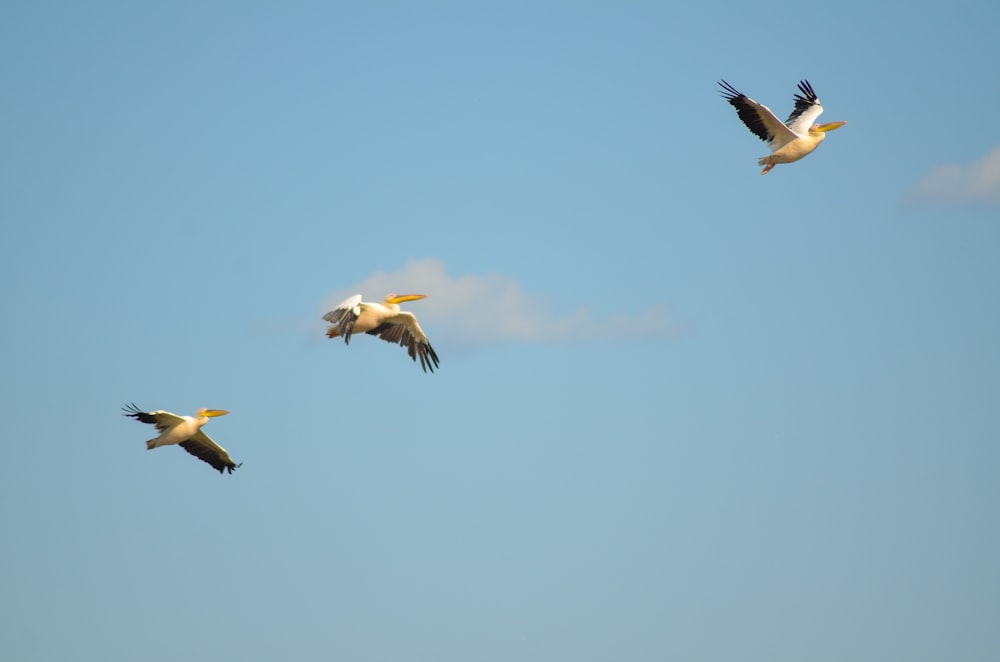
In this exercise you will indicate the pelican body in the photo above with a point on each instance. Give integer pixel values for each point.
(386, 321)
(186, 432)
(790, 140)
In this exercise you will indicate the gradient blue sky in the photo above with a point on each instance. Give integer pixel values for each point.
(683, 412)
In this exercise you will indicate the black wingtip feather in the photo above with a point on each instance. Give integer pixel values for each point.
(138, 414)
(209, 457)
(808, 94)
(728, 92)
(746, 109)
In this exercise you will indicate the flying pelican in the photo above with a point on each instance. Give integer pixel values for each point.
(186, 431)
(386, 321)
(790, 140)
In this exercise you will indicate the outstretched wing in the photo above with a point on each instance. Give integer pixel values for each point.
(758, 118)
(807, 109)
(405, 331)
(163, 420)
(204, 448)
(343, 318)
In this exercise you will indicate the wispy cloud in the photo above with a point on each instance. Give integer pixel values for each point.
(482, 310)
(978, 182)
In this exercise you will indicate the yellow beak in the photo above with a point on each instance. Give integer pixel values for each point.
(400, 298)
(830, 126)
(215, 412)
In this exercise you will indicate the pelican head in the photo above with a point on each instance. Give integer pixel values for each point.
(211, 412)
(829, 126)
(400, 298)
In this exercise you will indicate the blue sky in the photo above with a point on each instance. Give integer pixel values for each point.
(683, 411)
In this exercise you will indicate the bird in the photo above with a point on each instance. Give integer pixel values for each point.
(386, 321)
(790, 140)
(186, 431)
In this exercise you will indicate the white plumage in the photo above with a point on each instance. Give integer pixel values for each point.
(386, 321)
(186, 432)
(790, 140)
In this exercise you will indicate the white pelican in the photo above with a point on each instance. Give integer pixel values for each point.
(790, 140)
(386, 321)
(186, 431)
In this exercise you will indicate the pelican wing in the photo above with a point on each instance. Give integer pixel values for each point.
(163, 420)
(404, 330)
(204, 448)
(345, 315)
(807, 109)
(759, 119)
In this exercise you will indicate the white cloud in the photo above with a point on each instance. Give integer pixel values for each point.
(480, 310)
(977, 182)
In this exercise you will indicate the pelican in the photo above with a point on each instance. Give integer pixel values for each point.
(186, 431)
(386, 321)
(790, 140)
